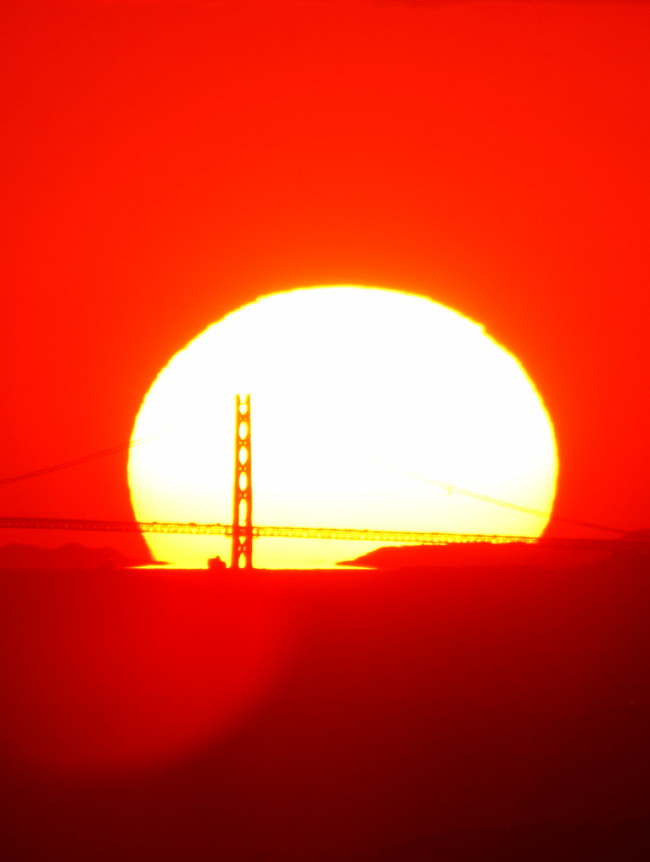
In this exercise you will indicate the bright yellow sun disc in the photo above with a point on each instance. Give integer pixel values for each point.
(359, 396)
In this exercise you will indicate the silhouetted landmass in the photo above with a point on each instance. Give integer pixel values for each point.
(481, 554)
(71, 556)
(494, 555)
(458, 714)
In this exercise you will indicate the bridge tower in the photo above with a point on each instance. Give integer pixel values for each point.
(242, 516)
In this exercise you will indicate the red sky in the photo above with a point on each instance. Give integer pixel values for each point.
(165, 162)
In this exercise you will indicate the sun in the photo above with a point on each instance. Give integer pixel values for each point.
(360, 396)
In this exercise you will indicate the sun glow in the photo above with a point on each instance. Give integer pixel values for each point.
(355, 393)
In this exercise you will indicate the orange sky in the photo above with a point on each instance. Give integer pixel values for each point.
(165, 162)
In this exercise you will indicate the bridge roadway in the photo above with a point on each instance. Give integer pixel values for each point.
(340, 533)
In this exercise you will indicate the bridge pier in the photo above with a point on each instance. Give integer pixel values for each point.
(242, 517)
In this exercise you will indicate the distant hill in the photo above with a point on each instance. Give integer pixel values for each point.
(75, 556)
(473, 555)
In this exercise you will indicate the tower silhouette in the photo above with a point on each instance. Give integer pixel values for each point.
(242, 516)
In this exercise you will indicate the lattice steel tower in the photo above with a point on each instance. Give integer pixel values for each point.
(242, 515)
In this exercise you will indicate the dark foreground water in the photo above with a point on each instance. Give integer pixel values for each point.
(423, 715)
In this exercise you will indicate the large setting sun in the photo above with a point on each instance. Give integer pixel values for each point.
(362, 400)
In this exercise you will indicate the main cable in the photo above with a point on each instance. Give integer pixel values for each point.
(75, 462)
(514, 506)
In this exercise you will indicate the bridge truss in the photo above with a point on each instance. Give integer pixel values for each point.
(338, 533)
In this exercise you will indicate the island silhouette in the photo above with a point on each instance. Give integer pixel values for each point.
(68, 556)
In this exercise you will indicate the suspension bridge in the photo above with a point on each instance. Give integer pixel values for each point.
(339, 533)
(242, 531)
